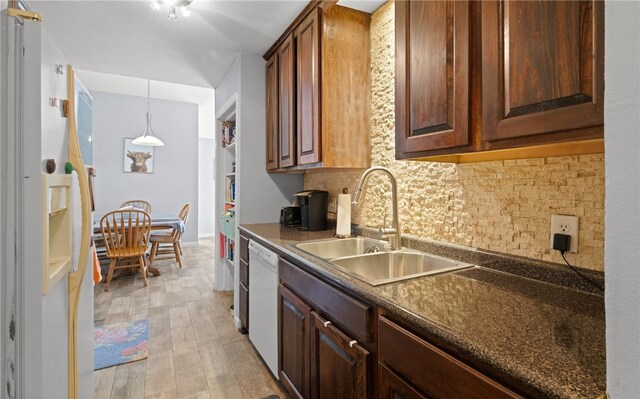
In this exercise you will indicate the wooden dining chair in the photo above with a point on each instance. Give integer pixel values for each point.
(169, 243)
(126, 236)
(140, 204)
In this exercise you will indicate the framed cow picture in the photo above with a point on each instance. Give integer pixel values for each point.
(137, 158)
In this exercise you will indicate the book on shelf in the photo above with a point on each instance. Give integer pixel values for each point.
(228, 247)
(230, 192)
(228, 133)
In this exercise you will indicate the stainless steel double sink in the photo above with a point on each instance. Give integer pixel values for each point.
(373, 262)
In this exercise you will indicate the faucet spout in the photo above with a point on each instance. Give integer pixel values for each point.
(395, 238)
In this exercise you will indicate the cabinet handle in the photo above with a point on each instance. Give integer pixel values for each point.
(326, 323)
(352, 343)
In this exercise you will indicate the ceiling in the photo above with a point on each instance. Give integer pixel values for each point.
(129, 38)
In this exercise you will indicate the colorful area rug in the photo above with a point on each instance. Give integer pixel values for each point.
(121, 343)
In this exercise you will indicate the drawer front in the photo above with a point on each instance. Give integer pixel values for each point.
(430, 369)
(349, 314)
(244, 248)
(244, 273)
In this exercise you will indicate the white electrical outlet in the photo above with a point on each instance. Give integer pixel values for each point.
(565, 224)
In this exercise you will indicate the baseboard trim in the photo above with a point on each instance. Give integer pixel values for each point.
(190, 244)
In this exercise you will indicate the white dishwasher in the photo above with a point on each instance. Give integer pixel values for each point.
(263, 303)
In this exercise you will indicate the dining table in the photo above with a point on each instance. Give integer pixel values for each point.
(159, 221)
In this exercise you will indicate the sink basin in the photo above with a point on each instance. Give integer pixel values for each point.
(386, 267)
(337, 248)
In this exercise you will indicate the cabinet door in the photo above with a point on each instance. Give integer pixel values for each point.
(308, 89)
(244, 307)
(272, 112)
(432, 76)
(542, 70)
(287, 103)
(294, 343)
(338, 363)
(391, 386)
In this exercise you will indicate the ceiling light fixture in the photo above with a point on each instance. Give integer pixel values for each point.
(148, 138)
(173, 5)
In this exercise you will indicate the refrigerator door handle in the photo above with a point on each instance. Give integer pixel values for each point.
(75, 277)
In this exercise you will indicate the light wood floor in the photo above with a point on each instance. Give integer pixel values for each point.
(195, 349)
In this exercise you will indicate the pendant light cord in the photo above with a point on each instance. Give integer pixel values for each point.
(148, 95)
(148, 137)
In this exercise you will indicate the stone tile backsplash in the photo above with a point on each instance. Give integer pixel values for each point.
(503, 206)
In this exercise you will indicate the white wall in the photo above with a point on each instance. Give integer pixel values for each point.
(203, 97)
(622, 212)
(174, 180)
(259, 195)
(229, 84)
(206, 185)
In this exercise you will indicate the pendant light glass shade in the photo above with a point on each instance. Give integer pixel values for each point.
(148, 138)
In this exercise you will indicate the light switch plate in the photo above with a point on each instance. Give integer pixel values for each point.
(566, 224)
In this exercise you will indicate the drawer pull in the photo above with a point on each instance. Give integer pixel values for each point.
(352, 343)
(326, 323)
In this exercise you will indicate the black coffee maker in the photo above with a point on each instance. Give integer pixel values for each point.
(314, 205)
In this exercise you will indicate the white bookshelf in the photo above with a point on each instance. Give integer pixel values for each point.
(226, 207)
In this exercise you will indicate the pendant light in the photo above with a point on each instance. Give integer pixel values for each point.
(148, 138)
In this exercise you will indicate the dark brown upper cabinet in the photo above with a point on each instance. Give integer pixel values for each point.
(324, 63)
(281, 103)
(272, 112)
(308, 79)
(287, 103)
(542, 71)
(522, 77)
(432, 76)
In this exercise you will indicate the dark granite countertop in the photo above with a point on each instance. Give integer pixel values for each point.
(546, 339)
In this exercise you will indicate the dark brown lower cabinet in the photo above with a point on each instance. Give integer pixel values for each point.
(338, 363)
(323, 358)
(294, 326)
(244, 291)
(419, 364)
(244, 307)
(244, 283)
(392, 386)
